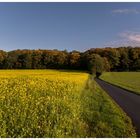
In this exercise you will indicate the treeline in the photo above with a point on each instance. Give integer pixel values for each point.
(94, 60)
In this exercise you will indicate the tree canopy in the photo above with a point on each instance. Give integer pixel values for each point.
(95, 59)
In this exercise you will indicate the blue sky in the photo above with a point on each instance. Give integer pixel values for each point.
(71, 26)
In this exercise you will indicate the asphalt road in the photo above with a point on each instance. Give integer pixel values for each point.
(128, 101)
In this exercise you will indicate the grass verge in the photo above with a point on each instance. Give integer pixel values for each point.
(103, 116)
(126, 80)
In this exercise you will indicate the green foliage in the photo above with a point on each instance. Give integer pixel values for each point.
(112, 55)
(114, 59)
(96, 64)
(124, 59)
(106, 64)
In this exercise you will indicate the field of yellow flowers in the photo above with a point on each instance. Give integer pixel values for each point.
(50, 103)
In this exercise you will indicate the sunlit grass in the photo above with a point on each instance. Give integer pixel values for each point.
(127, 80)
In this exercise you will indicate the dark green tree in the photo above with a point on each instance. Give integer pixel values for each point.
(96, 64)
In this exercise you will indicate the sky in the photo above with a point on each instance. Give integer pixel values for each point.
(70, 26)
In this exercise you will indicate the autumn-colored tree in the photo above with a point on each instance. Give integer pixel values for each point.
(74, 59)
(36, 59)
(3, 56)
(113, 59)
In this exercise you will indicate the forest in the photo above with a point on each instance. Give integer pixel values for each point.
(93, 60)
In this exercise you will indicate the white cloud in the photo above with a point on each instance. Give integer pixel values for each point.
(126, 11)
(128, 38)
(131, 36)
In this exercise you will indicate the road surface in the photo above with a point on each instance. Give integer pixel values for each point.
(128, 101)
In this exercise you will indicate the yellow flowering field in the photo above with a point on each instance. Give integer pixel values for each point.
(50, 103)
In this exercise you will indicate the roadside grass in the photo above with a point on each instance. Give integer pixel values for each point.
(126, 80)
(56, 104)
(103, 116)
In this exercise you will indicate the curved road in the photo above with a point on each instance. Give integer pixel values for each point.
(128, 101)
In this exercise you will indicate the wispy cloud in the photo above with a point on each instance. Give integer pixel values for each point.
(126, 11)
(127, 38)
(131, 36)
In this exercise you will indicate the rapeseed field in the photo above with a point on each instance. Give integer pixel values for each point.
(53, 103)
